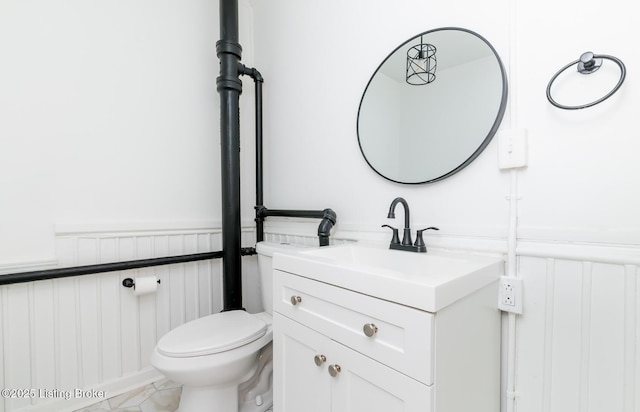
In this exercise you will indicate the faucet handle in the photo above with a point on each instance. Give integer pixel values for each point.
(419, 241)
(395, 239)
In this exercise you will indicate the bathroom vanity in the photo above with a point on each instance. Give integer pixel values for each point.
(364, 328)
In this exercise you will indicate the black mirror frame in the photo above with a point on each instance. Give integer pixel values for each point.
(486, 140)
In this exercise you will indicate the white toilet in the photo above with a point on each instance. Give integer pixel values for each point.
(224, 360)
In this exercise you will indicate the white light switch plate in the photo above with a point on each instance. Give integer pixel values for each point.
(512, 148)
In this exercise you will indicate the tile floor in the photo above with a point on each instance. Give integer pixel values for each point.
(161, 396)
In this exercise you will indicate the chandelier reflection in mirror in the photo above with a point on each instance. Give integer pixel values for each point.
(421, 64)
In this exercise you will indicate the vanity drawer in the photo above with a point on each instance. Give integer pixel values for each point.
(401, 337)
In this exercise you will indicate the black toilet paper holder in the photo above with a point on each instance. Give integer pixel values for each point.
(130, 283)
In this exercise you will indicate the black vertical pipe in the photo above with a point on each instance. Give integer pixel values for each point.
(259, 187)
(258, 80)
(230, 87)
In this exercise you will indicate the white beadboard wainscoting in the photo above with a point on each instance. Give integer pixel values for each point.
(577, 343)
(90, 332)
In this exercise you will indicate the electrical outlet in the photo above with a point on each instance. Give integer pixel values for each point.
(510, 294)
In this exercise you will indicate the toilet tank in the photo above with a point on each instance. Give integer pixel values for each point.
(265, 252)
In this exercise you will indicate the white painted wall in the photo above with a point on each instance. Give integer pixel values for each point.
(109, 115)
(582, 180)
(317, 58)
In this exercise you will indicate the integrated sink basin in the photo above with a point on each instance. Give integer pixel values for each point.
(428, 281)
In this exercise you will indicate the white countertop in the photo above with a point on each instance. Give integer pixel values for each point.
(428, 281)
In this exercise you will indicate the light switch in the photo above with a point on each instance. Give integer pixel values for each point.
(512, 148)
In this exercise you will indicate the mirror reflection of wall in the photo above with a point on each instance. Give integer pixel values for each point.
(424, 133)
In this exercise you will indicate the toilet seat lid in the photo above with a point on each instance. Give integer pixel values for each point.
(212, 334)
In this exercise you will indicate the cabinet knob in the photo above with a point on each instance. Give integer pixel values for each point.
(334, 370)
(295, 300)
(319, 359)
(370, 329)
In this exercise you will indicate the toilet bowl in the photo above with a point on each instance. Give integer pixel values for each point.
(224, 360)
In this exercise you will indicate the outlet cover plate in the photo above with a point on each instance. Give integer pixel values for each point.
(510, 294)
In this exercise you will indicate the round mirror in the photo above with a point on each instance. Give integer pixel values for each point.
(432, 106)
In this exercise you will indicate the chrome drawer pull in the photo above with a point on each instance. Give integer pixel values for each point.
(295, 300)
(370, 329)
(319, 359)
(334, 370)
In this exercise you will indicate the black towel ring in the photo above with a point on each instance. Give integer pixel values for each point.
(587, 64)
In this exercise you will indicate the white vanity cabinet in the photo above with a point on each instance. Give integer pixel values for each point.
(337, 349)
(317, 374)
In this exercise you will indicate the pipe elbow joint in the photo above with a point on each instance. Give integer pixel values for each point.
(251, 72)
(329, 219)
(257, 77)
(261, 212)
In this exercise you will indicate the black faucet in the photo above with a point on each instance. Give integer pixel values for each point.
(406, 244)
(406, 236)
